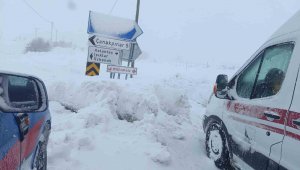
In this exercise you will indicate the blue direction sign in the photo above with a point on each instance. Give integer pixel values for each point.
(114, 27)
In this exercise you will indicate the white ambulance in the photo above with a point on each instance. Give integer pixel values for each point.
(253, 120)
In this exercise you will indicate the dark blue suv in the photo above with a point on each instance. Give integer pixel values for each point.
(25, 122)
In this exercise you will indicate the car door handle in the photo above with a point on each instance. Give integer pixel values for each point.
(296, 122)
(272, 115)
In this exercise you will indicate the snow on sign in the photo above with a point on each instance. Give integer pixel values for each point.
(114, 27)
(109, 43)
(103, 55)
(121, 70)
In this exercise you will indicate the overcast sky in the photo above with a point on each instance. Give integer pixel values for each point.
(173, 29)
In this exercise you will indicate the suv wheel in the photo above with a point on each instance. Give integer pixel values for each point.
(41, 158)
(216, 145)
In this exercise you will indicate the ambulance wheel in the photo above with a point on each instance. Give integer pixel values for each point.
(216, 145)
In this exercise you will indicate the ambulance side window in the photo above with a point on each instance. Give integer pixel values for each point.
(265, 75)
(246, 80)
(273, 70)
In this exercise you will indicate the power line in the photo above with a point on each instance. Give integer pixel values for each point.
(113, 7)
(43, 18)
(36, 12)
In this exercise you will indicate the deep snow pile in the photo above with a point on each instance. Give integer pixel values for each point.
(164, 136)
(162, 109)
(167, 133)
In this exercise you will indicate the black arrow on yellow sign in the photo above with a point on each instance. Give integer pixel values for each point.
(92, 69)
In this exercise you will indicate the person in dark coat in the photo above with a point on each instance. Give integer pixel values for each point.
(271, 85)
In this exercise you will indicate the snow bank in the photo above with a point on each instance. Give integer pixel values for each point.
(93, 137)
(122, 102)
(150, 122)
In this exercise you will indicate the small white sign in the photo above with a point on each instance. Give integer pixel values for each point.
(121, 70)
(109, 43)
(103, 55)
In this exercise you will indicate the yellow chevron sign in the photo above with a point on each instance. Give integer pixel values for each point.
(92, 69)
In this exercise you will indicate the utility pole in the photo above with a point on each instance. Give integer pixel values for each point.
(133, 45)
(56, 35)
(52, 26)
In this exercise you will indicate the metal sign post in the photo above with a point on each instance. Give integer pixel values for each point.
(137, 14)
(130, 60)
(137, 21)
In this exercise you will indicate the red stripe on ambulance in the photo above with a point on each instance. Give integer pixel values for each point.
(258, 112)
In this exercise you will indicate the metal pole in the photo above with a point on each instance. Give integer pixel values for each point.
(137, 14)
(137, 21)
(130, 59)
(137, 11)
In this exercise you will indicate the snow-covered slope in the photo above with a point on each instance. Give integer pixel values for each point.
(167, 100)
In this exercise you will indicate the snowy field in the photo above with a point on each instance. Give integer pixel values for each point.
(167, 100)
(184, 50)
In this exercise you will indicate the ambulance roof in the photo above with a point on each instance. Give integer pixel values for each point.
(292, 25)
